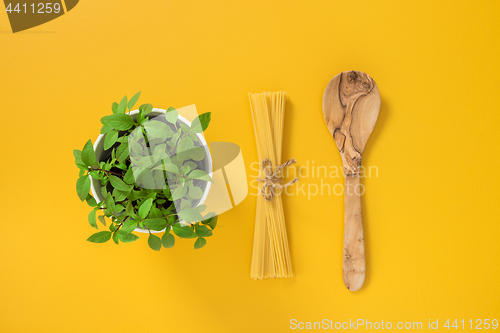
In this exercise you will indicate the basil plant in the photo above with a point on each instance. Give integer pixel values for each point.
(150, 176)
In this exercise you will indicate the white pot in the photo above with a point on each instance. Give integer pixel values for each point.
(207, 161)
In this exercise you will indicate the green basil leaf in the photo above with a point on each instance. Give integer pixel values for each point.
(100, 237)
(120, 195)
(109, 202)
(213, 222)
(146, 109)
(168, 240)
(119, 184)
(92, 218)
(196, 153)
(110, 139)
(118, 121)
(127, 237)
(122, 152)
(201, 122)
(122, 107)
(200, 174)
(185, 144)
(195, 192)
(179, 192)
(115, 238)
(114, 107)
(154, 242)
(200, 242)
(157, 224)
(102, 219)
(88, 155)
(203, 231)
(190, 214)
(183, 232)
(83, 187)
(133, 100)
(91, 201)
(129, 226)
(170, 167)
(158, 129)
(145, 208)
(78, 159)
(171, 116)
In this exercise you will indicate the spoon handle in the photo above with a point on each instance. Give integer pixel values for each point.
(353, 263)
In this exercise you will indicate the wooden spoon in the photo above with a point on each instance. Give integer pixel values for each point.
(351, 104)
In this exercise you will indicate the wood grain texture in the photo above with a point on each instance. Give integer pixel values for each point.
(351, 104)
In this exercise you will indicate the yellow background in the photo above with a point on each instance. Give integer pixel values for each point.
(431, 216)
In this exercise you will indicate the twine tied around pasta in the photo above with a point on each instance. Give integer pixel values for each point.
(273, 180)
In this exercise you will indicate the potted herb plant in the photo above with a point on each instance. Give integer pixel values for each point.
(149, 172)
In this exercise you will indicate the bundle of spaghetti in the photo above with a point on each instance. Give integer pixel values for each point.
(271, 255)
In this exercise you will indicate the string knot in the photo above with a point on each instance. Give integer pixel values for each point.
(273, 179)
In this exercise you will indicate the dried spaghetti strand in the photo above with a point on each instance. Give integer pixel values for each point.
(271, 254)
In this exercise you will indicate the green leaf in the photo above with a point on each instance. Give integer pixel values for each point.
(120, 195)
(91, 201)
(154, 242)
(185, 143)
(92, 218)
(102, 219)
(78, 159)
(200, 208)
(129, 210)
(133, 100)
(115, 238)
(110, 202)
(171, 116)
(213, 222)
(127, 237)
(95, 174)
(201, 122)
(105, 129)
(190, 214)
(168, 240)
(200, 242)
(179, 192)
(88, 155)
(155, 212)
(170, 167)
(110, 139)
(166, 193)
(129, 177)
(158, 129)
(145, 208)
(157, 224)
(122, 152)
(100, 237)
(119, 184)
(129, 226)
(146, 109)
(203, 231)
(200, 174)
(196, 153)
(195, 192)
(83, 187)
(119, 208)
(183, 232)
(114, 107)
(118, 121)
(122, 107)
